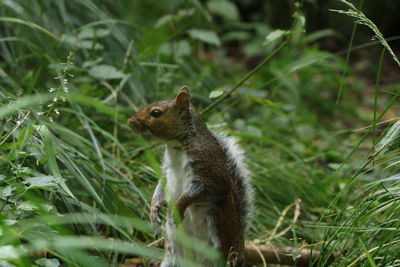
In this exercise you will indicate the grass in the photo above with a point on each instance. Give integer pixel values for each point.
(73, 188)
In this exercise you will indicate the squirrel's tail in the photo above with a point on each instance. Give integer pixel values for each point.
(241, 176)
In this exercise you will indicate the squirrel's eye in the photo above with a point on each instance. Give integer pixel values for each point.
(156, 113)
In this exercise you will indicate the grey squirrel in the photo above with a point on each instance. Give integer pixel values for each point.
(206, 179)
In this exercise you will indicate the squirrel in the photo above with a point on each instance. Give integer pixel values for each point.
(206, 180)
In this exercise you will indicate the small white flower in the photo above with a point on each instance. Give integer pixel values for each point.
(66, 89)
(40, 113)
(63, 99)
(55, 99)
(51, 119)
(56, 111)
(19, 122)
(51, 89)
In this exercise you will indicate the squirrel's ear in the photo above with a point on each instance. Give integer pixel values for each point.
(183, 98)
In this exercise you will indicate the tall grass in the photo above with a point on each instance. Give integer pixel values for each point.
(365, 231)
(67, 184)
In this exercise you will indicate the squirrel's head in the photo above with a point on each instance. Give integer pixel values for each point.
(164, 120)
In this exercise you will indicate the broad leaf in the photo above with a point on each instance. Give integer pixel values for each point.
(206, 36)
(48, 262)
(274, 35)
(43, 181)
(226, 9)
(106, 72)
(6, 192)
(216, 93)
(88, 33)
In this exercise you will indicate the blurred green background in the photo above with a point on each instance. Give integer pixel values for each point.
(317, 121)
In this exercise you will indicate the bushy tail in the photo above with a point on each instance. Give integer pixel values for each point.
(241, 176)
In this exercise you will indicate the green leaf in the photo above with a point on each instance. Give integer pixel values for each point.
(87, 44)
(43, 181)
(236, 35)
(216, 93)
(8, 252)
(226, 9)
(296, 256)
(23, 138)
(51, 156)
(106, 72)
(205, 36)
(6, 192)
(178, 49)
(81, 43)
(165, 19)
(274, 35)
(48, 262)
(91, 63)
(89, 33)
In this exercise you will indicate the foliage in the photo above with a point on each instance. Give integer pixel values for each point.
(76, 182)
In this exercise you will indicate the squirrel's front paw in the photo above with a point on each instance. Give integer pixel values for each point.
(155, 214)
(156, 219)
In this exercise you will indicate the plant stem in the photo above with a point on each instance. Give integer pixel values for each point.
(245, 78)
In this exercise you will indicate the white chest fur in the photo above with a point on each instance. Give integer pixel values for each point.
(197, 221)
(177, 170)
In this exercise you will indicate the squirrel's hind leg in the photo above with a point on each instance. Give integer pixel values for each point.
(172, 248)
(169, 259)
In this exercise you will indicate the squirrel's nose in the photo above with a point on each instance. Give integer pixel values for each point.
(133, 120)
(136, 123)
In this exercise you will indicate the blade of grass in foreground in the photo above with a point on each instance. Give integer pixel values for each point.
(31, 25)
